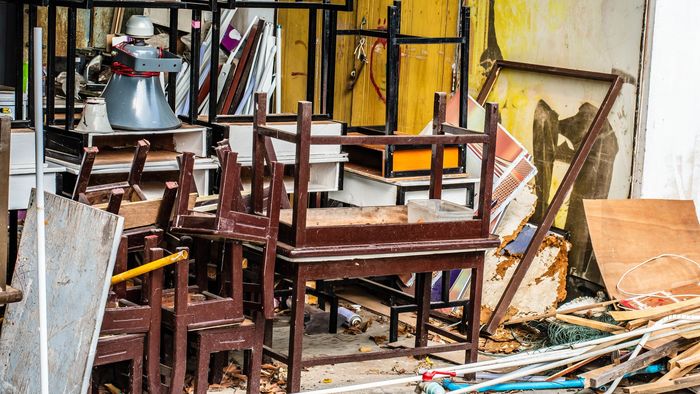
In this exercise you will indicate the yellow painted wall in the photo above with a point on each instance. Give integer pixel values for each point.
(424, 69)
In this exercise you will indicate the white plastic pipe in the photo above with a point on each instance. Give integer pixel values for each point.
(39, 202)
(278, 72)
(546, 367)
(555, 353)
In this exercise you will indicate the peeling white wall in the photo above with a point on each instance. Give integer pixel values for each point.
(671, 166)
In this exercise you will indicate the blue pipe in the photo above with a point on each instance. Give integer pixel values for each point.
(519, 386)
(566, 384)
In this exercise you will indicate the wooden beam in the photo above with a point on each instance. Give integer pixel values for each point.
(665, 386)
(597, 325)
(10, 295)
(658, 311)
(525, 319)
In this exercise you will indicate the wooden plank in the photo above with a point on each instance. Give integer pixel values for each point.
(665, 386)
(580, 321)
(673, 362)
(142, 213)
(5, 136)
(553, 313)
(637, 363)
(10, 295)
(636, 323)
(81, 247)
(625, 233)
(652, 313)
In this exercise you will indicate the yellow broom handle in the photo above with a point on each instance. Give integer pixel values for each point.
(152, 266)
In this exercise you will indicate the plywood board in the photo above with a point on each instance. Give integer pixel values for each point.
(81, 246)
(625, 233)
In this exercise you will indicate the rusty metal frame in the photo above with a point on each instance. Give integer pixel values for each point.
(572, 173)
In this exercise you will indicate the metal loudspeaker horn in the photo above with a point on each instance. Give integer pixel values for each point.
(134, 94)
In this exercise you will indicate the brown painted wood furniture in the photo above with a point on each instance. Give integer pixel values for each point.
(142, 218)
(218, 324)
(99, 193)
(131, 331)
(331, 243)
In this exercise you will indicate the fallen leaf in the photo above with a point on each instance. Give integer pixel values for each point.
(327, 380)
(365, 349)
(379, 339)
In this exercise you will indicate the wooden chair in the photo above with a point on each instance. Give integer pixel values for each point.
(100, 193)
(142, 218)
(362, 242)
(218, 323)
(131, 331)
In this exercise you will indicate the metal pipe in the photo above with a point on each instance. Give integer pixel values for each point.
(39, 203)
(148, 267)
(19, 74)
(311, 57)
(71, 42)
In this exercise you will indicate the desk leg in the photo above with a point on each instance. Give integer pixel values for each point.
(423, 281)
(296, 332)
(474, 311)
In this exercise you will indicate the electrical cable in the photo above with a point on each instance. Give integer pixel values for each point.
(655, 293)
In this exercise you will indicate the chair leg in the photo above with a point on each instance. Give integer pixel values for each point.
(267, 338)
(137, 374)
(256, 356)
(177, 381)
(201, 382)
(153, 361)
(296, 333)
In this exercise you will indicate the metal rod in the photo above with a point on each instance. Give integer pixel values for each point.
(464, 67)
(19, 73)
(172, 47)
(195, 63)
(278, 71)
(332, 50)
(214, 61)
(40, 226)
(71, 33)
(392, 70)
(51, 66)
(30, 76)
(311, 57)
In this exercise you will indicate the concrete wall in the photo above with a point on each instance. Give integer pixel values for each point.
(671, 154)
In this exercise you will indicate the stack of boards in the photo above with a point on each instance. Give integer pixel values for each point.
(249, 68)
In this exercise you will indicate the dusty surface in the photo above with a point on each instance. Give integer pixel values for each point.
(353, 373)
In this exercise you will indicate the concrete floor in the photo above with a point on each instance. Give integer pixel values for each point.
(353, 373)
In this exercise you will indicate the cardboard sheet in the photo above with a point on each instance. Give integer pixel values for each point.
(624, 233)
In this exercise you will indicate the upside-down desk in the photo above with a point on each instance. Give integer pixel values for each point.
(360, 242)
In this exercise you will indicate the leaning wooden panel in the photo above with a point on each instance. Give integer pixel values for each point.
(81, 247)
